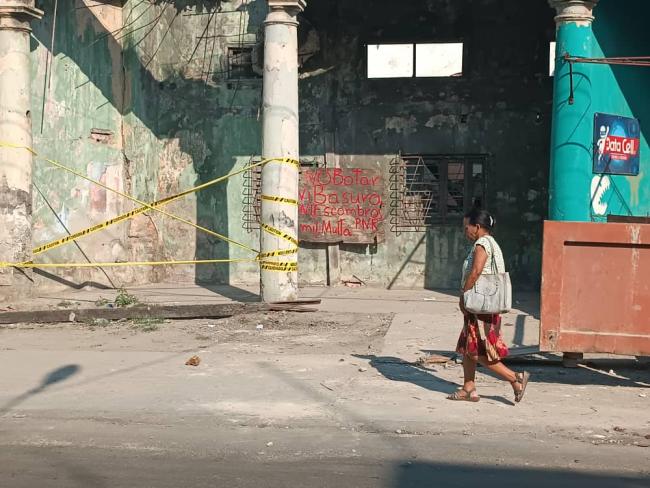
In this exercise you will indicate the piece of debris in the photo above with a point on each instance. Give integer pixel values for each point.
(354, 282)
(642, 395)
(363, 370)
(260, 327)
(398, 431)
(325, 386)
(429, 299)
(432, 359)
(619, 429)
(212, 326)
(72, 316)
(269, 444)
(341, 360)
(193, 361)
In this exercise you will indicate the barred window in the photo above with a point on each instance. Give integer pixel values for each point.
(434, 189)
(240, 63)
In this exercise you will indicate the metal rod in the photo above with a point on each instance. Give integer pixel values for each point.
(571, 94)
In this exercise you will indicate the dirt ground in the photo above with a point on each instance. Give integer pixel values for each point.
(318, 389)
(292, 332)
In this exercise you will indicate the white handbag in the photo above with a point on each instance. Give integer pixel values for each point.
(492, 293)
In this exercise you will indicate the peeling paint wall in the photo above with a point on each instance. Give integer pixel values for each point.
(77, 101)
(500, 107)
(170, 119)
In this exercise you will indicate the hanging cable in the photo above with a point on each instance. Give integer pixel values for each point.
(638, 61)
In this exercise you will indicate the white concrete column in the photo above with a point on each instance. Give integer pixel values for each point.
(280, 140)
(15, 128)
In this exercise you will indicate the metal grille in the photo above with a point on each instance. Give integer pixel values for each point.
(252, 202)
(434, 189)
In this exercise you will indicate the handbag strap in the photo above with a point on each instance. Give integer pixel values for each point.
(493, 264)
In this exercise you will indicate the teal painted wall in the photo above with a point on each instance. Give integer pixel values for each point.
(576, 193)
(623, 90)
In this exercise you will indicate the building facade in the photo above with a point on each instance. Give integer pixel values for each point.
(446, 102)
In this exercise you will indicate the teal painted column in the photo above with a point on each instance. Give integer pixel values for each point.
(572, 129)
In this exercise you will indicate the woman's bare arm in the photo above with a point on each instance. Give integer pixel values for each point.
(480, 258)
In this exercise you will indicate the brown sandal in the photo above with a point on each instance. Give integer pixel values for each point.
(521, 379)
(463, 395)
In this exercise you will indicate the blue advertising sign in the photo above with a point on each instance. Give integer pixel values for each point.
(616, 145)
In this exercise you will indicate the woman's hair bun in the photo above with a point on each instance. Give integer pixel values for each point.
(476, 216)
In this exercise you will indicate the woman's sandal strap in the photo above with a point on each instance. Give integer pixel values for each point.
(522, 379)
(466, 397)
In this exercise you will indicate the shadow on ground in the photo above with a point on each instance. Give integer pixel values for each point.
(418, 474)
(396, 369)
(56, 376)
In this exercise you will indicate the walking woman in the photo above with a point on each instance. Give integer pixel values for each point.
(480, 340)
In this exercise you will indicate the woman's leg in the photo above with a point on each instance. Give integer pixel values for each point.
(468, 391)
(518, 383)
(498, 368)
(469, 373)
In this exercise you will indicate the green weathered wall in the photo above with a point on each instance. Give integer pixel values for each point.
(83, 93)
(176, 122)
(186, 124)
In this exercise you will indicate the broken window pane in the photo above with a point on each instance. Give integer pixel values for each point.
(455, 188)
(390, 61)
(439, 59)
(477, 185)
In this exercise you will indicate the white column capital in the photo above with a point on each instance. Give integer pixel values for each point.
(296, 5)
(284, 11)
(580, 11)
(17, 14)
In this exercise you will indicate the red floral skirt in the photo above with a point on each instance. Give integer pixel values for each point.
(470, 343)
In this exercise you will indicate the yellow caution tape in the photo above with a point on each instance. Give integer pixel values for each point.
(277, 265)
(279, 233)
(283, 252)
(293, 162)
(30, 264)
(273, 266)
(290, 201)
(144, 208)
(95, 228)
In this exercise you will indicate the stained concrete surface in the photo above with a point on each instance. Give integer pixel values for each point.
(315, 399)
